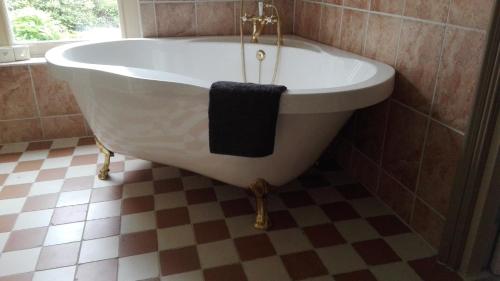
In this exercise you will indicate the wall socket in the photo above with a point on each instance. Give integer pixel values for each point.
(7, 54)
(17, 52)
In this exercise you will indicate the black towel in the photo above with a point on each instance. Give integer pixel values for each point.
(242, 118)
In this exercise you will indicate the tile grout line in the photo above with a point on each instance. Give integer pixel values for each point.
(33, 90)
(429, 117)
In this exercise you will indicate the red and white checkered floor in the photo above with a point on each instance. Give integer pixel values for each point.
(59, 222)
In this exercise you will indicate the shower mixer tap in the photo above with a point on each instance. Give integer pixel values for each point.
(261, 20)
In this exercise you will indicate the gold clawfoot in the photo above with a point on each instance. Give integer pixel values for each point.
(260, 189)
(104, 171)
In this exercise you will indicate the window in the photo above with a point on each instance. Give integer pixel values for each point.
(53, 20)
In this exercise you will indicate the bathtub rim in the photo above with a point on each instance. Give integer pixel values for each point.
(317, 100)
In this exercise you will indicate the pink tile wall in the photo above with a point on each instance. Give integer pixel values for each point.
(168, 18)
(406, 149)
(35, 106)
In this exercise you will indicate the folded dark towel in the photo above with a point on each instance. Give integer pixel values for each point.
(242, 118)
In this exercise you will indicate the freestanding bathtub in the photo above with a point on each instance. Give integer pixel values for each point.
(149, 98)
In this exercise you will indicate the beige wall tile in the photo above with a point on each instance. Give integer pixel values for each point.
(215, 18)
(20, 130)
(476, 13)
(16, 94)
(382, 38)
(63, 126)
(176, 19)
(353, 31)
(436, 10)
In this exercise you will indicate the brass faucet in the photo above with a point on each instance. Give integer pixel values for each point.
(261, 20)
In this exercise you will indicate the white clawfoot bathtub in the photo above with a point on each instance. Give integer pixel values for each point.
(148, 98)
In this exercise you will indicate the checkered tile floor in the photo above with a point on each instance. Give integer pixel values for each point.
(152, 222)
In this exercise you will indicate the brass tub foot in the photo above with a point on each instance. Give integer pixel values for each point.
(260, 189)
(104, 171)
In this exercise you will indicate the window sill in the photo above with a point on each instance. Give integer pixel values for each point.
(24, 62)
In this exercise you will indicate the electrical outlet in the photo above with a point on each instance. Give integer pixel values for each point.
(7, 54)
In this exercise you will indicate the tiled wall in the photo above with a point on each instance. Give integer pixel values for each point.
(161, 18)
(33, 106)
(406, 149)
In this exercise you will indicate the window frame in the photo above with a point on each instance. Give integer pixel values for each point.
(130, 25)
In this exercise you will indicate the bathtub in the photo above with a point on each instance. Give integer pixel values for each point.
(148, 98)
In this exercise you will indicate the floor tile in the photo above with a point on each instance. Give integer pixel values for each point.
(105, 270)
(61, 152)
(410, 247)
(339, 211)
(309, 215)
(172, 217)
(388, 225)
(195, 275)
(28, 276)
(313, 180)
(51, 174)
(81, 171)
(270, 268)
(109, 193)
(58, 162)
(196, 181)
(289, 241)
(375, 252)
(236, 207)
(25, 166)
(78, 183)
(33, 219)
(323, 235)
(18, 261)
(59, 274)
(138, 222)
(11, 206)
(15, 191)
(233, 272)
(138, 267)
(167, 185)
(254, 247)
(175, 237)
(138, 176)
(280, 220)
(25, 239)
(242, 226)
(39, 145)
(356, 230)
(101, 228)
(3, 240)
(64, 233)
(205, 212)
(170, 200)
(165, 173)
(105, 209)
(7, 222)
(87, 159)
(138, 189)
(40, 202)
(303, 265)
(69, 214)
(58, 256)
(46, 187)
(296, 199)
(137, 205)
(74, 198)
(137, 243)
(99, 249)
(364, 275)
(210, 231)
(179, 260)
(341, 259)
(228, 192)
(22, 177)
(202, 195)
(395, 271)
(429, 269)
(217, 253)
(369, 207)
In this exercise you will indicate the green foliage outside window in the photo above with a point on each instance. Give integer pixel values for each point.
(60, 19)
